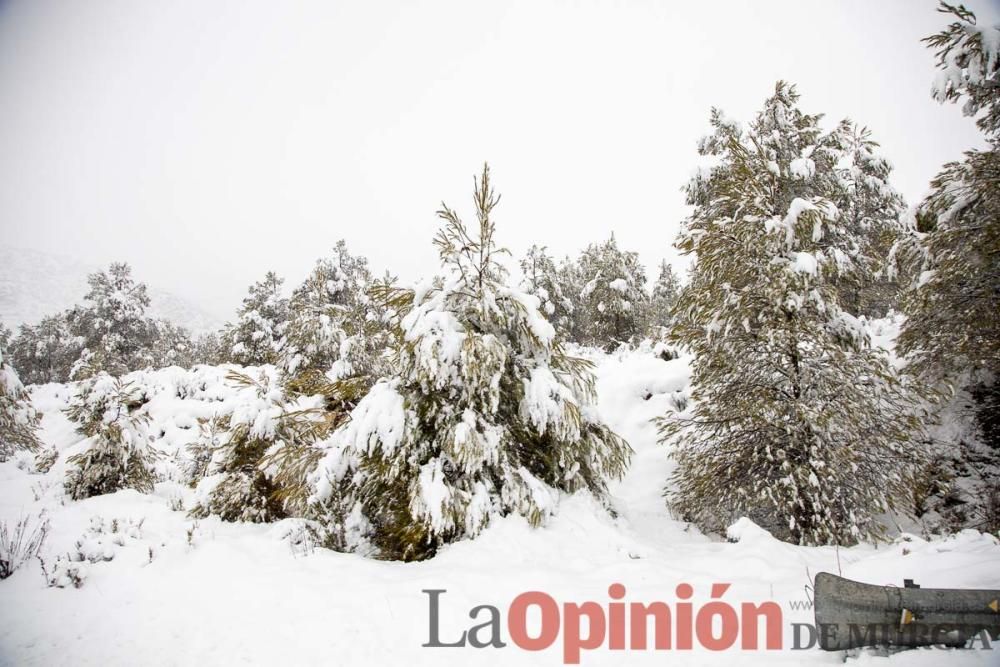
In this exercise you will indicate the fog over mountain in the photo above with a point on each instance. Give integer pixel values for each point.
(34, 284)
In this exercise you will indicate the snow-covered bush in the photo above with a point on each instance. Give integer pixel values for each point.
(20, 543)
(263, 437)
(18, 418)
(45, 459)
(117, 455)
(799, 423)
(484, 415)
(97, 545)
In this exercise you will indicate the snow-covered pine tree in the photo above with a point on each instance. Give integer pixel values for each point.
(260, 321)
(115, 333)
(323, 312)
(240, 485)
(541, 278)
(953, 327)
(363, 358)
(485, 414)
(870, 212)
(207, 349)
(18, 418)
(613, 298)
(109, 414)
(666, 290)
(798, 422)
(952, 332)
(171, 345)
(571, 282)
(45, 352)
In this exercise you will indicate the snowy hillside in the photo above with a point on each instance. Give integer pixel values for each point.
(160, 588)
(34, 284)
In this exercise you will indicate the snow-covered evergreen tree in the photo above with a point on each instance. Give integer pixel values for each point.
(45, 352)
(255, 337)
(263, 450)
(18, 419)
(571, 282)
(613, 299)
(952, 333)
(666, 290)
(109, 414)
(799, 423)
(870, 212)
(954, 315)
(541, 278)
(171, 345)
(240, 485)
(364, 353)
(323, 313)
(485, 415)
(208, 349)
(115, 333)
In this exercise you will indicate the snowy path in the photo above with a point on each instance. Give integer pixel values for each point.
(241, 594)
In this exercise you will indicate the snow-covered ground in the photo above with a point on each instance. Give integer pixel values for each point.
(179, 591)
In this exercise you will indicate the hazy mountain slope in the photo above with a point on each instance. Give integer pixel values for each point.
(34, 284)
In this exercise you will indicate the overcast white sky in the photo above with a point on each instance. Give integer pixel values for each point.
(206, 142)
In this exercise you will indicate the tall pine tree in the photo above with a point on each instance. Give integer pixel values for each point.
(116, 335)
(254, 338)
(613, 299)
(666, 291)
(541, 278)
(484, 414)
(952, 333)
(798, 423)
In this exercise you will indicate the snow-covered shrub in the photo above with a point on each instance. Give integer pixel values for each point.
(484, 415)
(202, 449)
(255, 447)
(109, 414)
(800, 423)
(67, 571)
(97, 545)
(20, 543)
(45, 459)
(18, 418)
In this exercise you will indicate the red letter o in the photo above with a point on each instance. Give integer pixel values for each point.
(517, 621)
